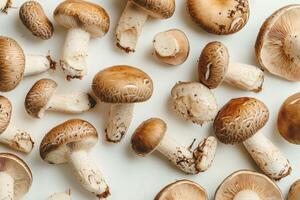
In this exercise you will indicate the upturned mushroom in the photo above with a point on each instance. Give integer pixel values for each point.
(5, 5)
(60, 196)
(294, 193)
(239, 121)
(69, 142)
(194, 102)
(214, 68)
(134, 17)
(151, 136)
(248, 185)
(15, 177)
(34, 18)
(84, 20)
(43, 96)
(14, 64)
(121, 86)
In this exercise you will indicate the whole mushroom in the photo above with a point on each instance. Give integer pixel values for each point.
(5, 5)
(294, 193)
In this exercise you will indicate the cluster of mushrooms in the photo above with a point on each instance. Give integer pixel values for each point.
(239, 121)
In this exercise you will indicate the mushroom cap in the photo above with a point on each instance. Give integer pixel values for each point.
(213, 64)
(38, 97)
(240, 119)
(74, 134)
(19, 171)
(12, 64)
(86, 15)
(294, 193)
(122, 84)
(182, 190)
(219, 16)
(148, 136)
(5, 113)
(277, 46)
(243, 180)
(162, 9)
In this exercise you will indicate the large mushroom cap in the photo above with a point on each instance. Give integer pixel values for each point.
(122, 84)
(157, 8)
(294, 193)
(5, 113)
(240, 119)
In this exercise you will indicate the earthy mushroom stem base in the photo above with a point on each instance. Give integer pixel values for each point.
(247, 194)
(6, 186)
(4, 5)
(36, 64)
(60, 196)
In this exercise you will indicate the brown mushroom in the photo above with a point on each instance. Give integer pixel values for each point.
(294, 193)
(5, 5)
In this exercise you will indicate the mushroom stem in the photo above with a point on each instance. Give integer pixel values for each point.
(165, 45)
(36, 64)
(4, 5)
(246, 195)
(6, 186)
(60, 196)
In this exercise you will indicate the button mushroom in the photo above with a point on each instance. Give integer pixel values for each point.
(238, 122)
(121, 86)
(69, 142)
(135, 16)
(151, 136)
(5, 5)
(294, 193)
(248, 185)
(84, 20)
(43, 96)
(60, 196)
(214, 68)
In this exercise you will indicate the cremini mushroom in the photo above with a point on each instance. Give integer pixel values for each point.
(278, 43)
(121, 86)
(15, 177)
(5, 5)
(194, 102)
(84, 20)
(248, 185)
(43, 96)
(151, 136)
(219, 16)
(135, 16)
(239, 121)
(294, 193)
(34, 18)
(61, 196)
(214, 68)
(69, 142)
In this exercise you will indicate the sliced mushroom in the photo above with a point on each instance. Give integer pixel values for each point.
(60, 196)
(69, 142)
(214, 68)
(135, 16)
(151, 136)
(238, 122)
(294, 193)
(5, 5)
(84, 20)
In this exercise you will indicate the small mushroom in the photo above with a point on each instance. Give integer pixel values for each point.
(34, 18)
(151, 136)
(194, 102)
(135, 16)
(60, 196)
(15, 177)
(238, 122)
(248, 185)
(121, 86)
(182, 190)
(214, 68)
(43, 96)
(294, 193)
(69, 142)
(219, 16)
(5, 5)
(84, 20)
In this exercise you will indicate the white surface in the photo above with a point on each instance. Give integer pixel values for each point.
(129, 176)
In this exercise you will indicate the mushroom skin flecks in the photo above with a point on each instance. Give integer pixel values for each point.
(5, 5)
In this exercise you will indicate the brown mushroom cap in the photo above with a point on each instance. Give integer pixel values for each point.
(122, 84)
(5, 113)
(294, 193)
(157, 8)
(240, 119)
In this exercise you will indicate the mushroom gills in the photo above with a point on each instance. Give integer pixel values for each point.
(4, 5)
(6, 186)
(247, 195)
(292, 47)
(36, 64)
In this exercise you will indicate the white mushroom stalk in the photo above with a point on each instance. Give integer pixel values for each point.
(6, 186)
(247, 195)
(4, 5)
(166, 45)
(36, 64)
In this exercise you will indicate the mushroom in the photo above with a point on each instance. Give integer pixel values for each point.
(135, 16)
(151, 136)
(219, 16)
(294, 193)
(43, 96)
(11, 136)
(34, 18)
(84, 20)
(69, 142)
(15, 177)
(14, 64)
(121, 86)
(5, 5)
(194, 102)
(171, 47)
(182, 190)
(278, 43)
(214, 68)
(248, 185)
(60, 196)
(238, 122)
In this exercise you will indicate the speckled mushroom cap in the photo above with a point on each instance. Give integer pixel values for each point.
(148, 136)
(220, 17)
(12, 64)
(157, 8)
(5, 113)
(240, 119)
(74, 134)
(79, 13)
(294, 192)
(122, 84)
